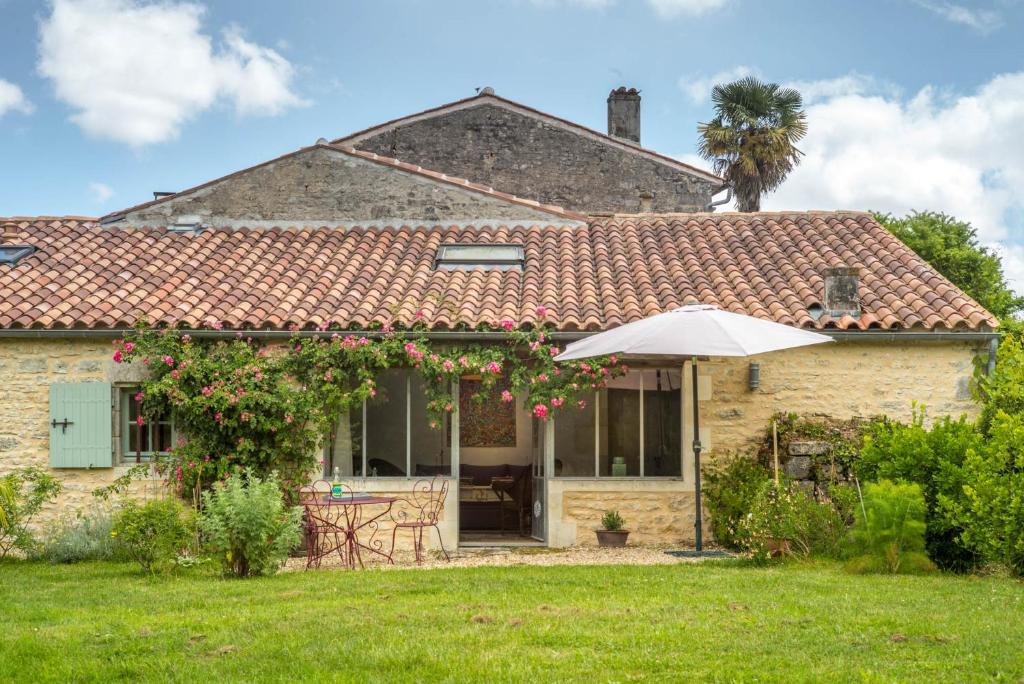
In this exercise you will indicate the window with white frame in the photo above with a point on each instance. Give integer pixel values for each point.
(632, 428)
(390, 434)
(140, 442)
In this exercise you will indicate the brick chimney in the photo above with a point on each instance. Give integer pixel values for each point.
(841, 297)
(624, 114)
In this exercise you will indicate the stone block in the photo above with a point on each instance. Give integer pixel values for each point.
(808, 448)
(798, 467)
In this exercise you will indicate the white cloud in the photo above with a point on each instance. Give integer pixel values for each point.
(699, 87)
(674, 8)
(101, 192)
(12, 99)
(850, 84)
(961, 154)
(137, 72)
(981, 20)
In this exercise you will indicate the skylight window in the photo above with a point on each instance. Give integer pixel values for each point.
(9, 254)
(454, 257)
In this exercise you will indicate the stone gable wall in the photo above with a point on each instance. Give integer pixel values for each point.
(521, 155)
(324, 187)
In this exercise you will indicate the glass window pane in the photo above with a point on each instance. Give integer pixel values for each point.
(662, 424)
(574, 439)
(623, 421)
(345, 453)
(138, 439)
(161, 436)
(385, 425)
(431, 452)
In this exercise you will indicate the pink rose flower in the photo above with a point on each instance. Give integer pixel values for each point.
(557, 401)
(494, 367)
(541, 411)
(582, 403)
(138, 397)
(140, 421)
(506, 396)
(448, 365)
(542, 312)
(508, 324)
(118, 356)
(128, 346)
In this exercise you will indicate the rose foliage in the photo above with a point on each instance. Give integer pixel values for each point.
(241, 404)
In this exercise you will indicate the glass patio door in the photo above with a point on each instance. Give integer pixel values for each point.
(539, 503)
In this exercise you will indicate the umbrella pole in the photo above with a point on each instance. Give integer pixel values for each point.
(696, 458)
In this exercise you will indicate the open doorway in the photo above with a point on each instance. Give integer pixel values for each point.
(498, 441)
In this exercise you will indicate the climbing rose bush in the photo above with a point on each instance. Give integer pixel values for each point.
(242, 405)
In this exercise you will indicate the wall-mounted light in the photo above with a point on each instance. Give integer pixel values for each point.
(754, 376)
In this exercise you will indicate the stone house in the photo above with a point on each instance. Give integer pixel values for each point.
(341, 232)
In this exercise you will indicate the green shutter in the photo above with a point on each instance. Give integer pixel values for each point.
(85, 442)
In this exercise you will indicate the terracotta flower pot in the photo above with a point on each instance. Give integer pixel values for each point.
(612, 537)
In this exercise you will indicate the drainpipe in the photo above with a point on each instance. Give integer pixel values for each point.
(728, 198)
(993, 347)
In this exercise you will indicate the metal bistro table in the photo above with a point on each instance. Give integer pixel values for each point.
(345, 519)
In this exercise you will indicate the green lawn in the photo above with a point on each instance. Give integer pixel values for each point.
(100, 622)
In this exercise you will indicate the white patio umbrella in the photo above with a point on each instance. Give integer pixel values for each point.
(687, 333)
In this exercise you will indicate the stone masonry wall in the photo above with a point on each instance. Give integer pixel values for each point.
(841, 380)
(325, 187)
(662, 517)
(27, 368)
(530, 158)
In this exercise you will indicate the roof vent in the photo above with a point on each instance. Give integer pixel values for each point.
(186, 223)
(321, 141)
(841, 296)
(160, 194)
(486, 90)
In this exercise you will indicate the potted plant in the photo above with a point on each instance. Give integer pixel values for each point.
(611, 532)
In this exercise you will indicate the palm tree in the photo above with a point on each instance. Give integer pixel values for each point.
(751, 141)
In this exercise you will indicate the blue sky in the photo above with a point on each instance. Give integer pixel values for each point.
(913, 104)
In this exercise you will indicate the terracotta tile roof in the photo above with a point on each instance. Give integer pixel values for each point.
(557, 213)
(490, 98)
(611, 271)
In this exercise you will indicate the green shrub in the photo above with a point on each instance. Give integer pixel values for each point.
(1003, 389)
(23, 493)
(932, 458)
(612, 521)
(154, 534)
(246, 524)
(889, 532)
(729, 491)
(786, 519)
(990, 509)
(82, 538)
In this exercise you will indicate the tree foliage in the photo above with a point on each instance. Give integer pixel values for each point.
(751, 142)
(952, 247)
